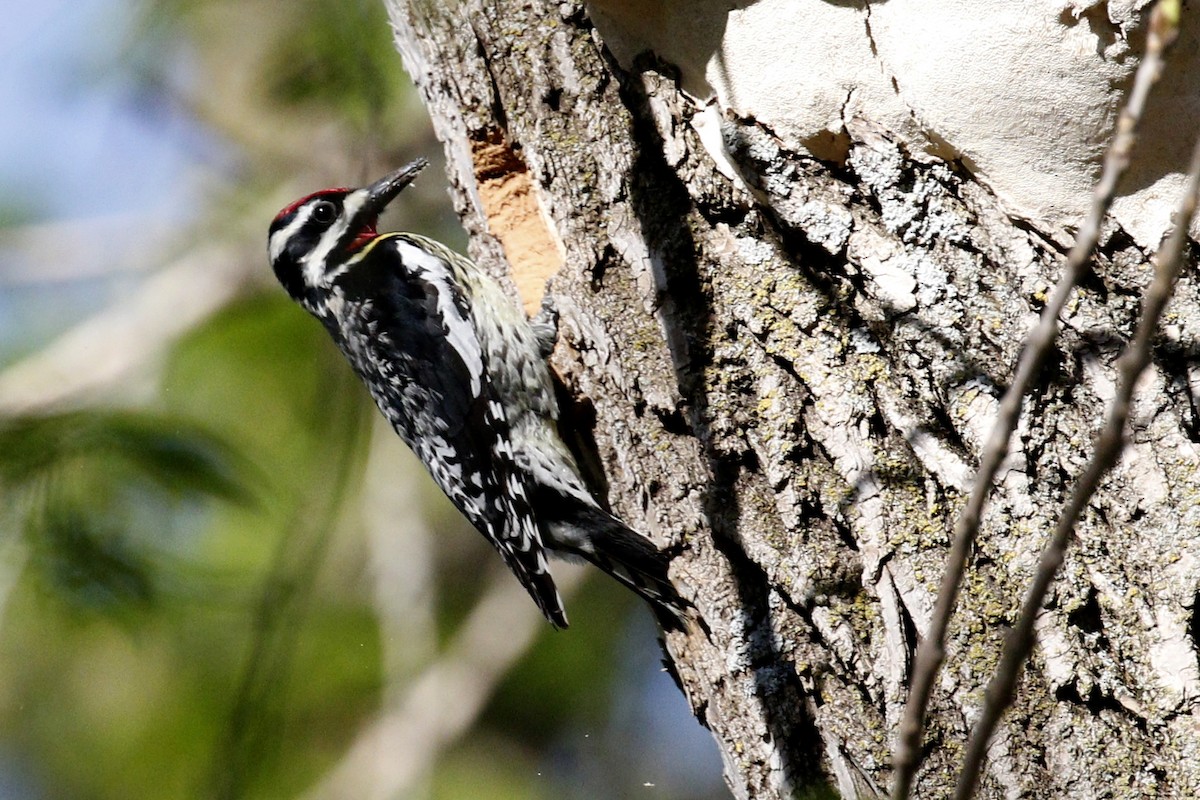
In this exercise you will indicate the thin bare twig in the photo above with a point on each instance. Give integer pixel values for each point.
(1169, 261)
(931, 652)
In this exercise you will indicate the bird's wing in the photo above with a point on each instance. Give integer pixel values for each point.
(425, 329)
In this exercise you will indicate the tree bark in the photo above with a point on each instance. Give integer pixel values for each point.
(786, 367)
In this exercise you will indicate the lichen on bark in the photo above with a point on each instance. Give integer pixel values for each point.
(789, 367)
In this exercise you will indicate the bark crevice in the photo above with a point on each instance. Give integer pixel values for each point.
(790, 367)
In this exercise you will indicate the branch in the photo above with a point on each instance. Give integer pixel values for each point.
(404, 582)
(110, 346)
(931, 652)
(404, 742)
(1169, 262)
(65, 250)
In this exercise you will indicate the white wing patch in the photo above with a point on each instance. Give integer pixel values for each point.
(460, 333)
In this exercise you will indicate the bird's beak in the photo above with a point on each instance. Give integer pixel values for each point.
(375, 198)
(384, 190)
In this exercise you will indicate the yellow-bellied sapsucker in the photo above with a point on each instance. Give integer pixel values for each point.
(461, 374)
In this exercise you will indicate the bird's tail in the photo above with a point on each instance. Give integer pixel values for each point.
(630, 558)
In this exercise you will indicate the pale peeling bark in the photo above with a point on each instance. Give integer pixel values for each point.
(786, 368)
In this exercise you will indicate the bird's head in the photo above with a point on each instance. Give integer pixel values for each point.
(313, 238)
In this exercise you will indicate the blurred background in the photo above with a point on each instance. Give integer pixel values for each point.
(219, 576)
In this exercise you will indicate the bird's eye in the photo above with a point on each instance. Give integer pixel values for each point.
(324, 211)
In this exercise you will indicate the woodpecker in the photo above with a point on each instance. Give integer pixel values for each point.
(461, 375)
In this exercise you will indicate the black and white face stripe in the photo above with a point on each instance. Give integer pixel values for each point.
(318, 232)
(319, 264)
(312, 240)
(279, 238)
(298, 233)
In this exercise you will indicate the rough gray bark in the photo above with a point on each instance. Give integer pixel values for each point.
(788, 375)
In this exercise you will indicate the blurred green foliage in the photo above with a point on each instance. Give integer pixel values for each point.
(186, 608)
(180, 676)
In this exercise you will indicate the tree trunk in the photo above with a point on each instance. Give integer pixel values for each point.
(787, 366)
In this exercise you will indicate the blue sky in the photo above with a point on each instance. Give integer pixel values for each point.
(79, 137)
(81, 140)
